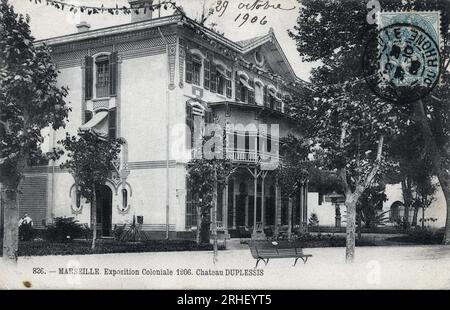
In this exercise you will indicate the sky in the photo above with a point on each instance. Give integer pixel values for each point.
(47, 21)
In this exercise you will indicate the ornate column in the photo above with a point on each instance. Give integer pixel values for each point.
(255, 199)
(225, 208)
(246, 211)
(263, 219)
(301, 202)
(290, 218)
(277, 207)
(234, 204)
(305, 205)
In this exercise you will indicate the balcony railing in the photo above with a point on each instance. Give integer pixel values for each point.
(251, 156)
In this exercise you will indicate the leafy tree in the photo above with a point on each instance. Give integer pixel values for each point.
(292, 170)
(91, 159)
(30, 101)
(344, 118)
(352, 122)
(207, 173)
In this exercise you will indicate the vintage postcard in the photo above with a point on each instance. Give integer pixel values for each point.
(224, 144)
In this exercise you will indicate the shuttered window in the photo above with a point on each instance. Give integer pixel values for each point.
(102, 76)
(112, 124)
(113, 70)
(188, 68)
(228, 85)
(189, 127)
(88, 77)
(251, 93)
(237, 88)
(206, 75)
(196, 69)
(213, 77)
(265, 96)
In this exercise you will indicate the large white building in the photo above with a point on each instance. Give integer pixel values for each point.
(148, 82)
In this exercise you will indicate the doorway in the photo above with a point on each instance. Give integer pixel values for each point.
(104, 210)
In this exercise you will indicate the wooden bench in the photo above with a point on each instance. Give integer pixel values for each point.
(265, 250)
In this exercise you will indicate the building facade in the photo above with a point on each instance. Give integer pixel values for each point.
(149, 82)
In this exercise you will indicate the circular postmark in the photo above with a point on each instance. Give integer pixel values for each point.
(403, 64)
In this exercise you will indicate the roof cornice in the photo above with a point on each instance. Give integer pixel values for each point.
(113, 30)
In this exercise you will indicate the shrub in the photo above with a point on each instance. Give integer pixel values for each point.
(64, 229)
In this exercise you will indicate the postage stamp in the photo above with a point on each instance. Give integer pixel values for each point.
(408, 55)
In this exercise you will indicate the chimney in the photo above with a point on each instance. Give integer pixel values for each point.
(83, 26)
(144, 8)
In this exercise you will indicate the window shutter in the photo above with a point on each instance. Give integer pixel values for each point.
(237, 88)
(189, 73)
(113, 74)
(206, 75)
(88, 77)
(213, 78)
(190, 126)
(265, 96)
(251, 93)
(112, 124)
(228, 85)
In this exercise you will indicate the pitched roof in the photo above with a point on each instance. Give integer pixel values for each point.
(248, 42)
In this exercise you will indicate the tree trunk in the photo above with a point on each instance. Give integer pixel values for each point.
(359, 227)
(11, 225)
(440, 169)
(94, 218)
(199, 224)
(407, 198)
(415, 215)
(350, 202)
(444, 180)
(289, 232)
(214, 218)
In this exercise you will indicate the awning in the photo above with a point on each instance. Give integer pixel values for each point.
(95, 120)
(245, 83)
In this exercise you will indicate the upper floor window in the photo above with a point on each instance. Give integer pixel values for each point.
(102, 76)
(259, 93)
(102, 72)
(194, 63)
(196, 69)
(245, 91)
(274, 98)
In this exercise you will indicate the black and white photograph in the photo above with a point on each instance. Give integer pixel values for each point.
(224, 145)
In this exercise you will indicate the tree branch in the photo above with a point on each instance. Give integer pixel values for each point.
(375, 168)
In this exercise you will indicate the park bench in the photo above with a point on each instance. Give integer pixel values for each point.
(265, 250)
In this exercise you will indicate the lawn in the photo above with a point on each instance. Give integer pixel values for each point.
(420, 237)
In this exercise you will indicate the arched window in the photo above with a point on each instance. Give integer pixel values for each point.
(272, 94)
(245, 91)
(102, 76)
(78, 199)
(259, 93)
(124, 199)
(396, 210)
(194, 62)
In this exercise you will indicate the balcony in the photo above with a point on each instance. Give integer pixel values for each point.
(251, 156)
